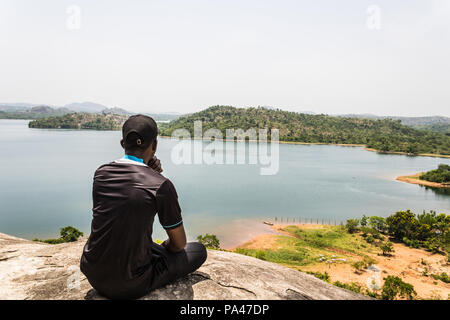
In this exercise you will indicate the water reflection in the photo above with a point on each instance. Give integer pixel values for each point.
(443, 192)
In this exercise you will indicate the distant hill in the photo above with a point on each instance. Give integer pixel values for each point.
(16, 106)
(81, 121)
(34, 111)
(385, 135)
(90, 107)
(433, 123)
(163, 116)
(116, 110)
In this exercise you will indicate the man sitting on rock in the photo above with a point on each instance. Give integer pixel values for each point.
(120, 259)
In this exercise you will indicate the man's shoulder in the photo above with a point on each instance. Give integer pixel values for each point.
(143, 173)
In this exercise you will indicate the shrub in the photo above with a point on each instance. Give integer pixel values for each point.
(352, 225)
(70, 234)
(210, 241)
(432, 245)
(322, 276)
(260, 254)
(387, 248)
(411, 243)
(355, 287)
(372, 294)
(359, 266)
(403, 224)
(378, 223)
(444, 277)
(67, 234)
(369, 261)
(395, 287)
(364, 220)
(370, 239)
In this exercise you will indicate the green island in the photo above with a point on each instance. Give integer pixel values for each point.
(384, 135)
(81, 121)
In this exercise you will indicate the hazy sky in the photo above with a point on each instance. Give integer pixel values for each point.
(183, 56)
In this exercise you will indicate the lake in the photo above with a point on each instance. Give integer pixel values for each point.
(46, 180)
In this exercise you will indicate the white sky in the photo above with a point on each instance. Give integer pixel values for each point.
(183, 56)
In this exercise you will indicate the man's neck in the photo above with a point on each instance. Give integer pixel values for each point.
(134, 158)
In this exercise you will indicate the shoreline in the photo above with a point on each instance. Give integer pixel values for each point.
(273, 230)
(280, 142)
(409, 154)
(286, 142)
(329, 144)
(413, 179)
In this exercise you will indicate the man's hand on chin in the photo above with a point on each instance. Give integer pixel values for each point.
(155, 164)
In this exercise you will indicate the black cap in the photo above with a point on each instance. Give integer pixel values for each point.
(139, 131)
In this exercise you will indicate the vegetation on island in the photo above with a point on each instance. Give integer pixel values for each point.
(384, 135)
(440, 175)
(67, 234)
(81, 121)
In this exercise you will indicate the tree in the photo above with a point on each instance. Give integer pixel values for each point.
(403, 224)
(359, 266)
(440, 175)
(364, 220)
(378, 223)
(352, 225)
(387, 248)
(210, 241)
(395, 287)
(67, 234)
(386, 134)
(70, 234)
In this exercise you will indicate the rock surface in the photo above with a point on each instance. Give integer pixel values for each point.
(32, 270)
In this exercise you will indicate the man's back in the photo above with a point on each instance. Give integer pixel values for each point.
(117, 259)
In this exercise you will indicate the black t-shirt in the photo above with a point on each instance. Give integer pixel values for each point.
(117, 258)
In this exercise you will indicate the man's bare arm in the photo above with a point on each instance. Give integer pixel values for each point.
(177, 239)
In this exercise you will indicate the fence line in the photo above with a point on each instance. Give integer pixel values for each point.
(303, 220)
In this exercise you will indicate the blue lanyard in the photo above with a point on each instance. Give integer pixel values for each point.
(127, 156)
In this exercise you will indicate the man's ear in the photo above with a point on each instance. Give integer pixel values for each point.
(122, 144)
(154, 145)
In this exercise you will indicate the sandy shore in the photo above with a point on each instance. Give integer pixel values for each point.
(414, 179)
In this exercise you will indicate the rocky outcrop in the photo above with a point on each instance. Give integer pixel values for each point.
(31, 270)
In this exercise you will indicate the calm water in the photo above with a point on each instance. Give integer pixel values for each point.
(46, 177)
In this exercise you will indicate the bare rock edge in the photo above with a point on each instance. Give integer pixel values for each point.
(32, 270)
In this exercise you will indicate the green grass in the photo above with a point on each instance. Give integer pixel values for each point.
(311, 246)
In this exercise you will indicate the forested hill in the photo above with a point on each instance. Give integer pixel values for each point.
(81, 121)
(380, 134)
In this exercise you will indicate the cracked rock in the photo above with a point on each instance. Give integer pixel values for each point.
(45, 271)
